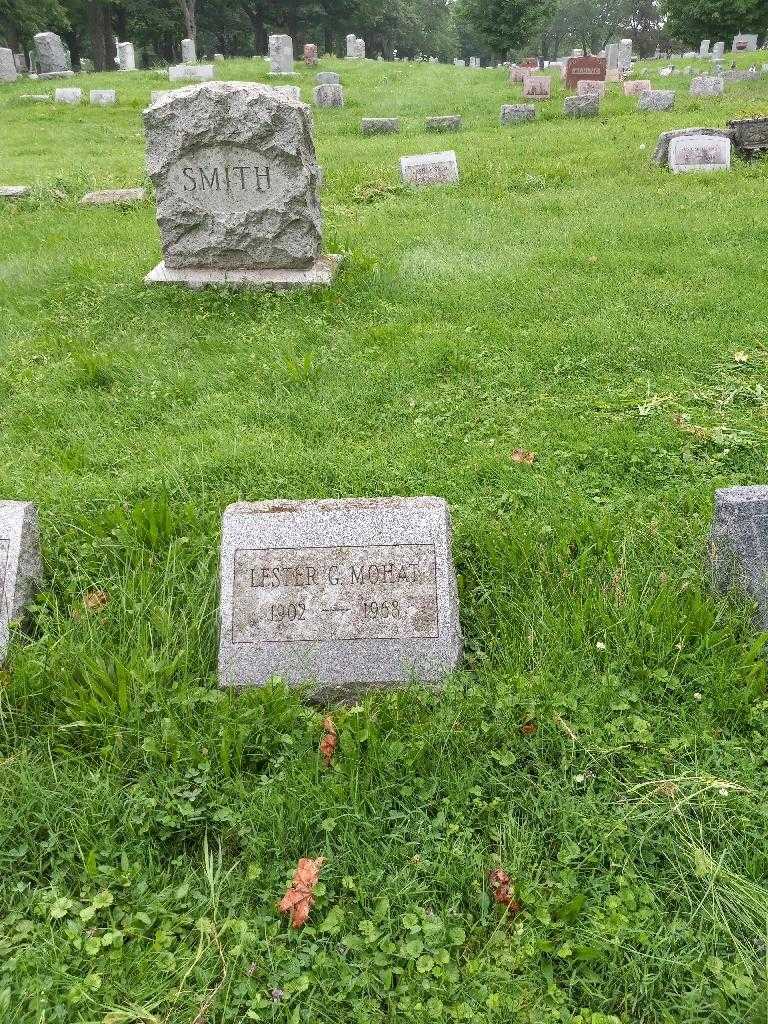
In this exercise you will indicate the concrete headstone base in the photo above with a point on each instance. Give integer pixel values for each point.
(321, 273)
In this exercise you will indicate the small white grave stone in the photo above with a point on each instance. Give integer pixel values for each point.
(102, 97)
(126, 58)
(188, 51)
(430, 169)
(68, 96)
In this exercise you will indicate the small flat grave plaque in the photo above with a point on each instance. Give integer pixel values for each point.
(699, 153)
(343, 593)
(430, 169)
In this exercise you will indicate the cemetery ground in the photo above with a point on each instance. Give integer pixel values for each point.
(606, 740)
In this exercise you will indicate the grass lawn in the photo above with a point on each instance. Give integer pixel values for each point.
(566, 298)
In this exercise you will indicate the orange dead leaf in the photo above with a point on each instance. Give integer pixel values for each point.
(501, 887)
(300, 896)
(524, 457)
(329, 741)
(528, 728)
(95, 599)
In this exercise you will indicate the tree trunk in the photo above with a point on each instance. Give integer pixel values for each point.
(190, 17)
(102, 39)
(256, 18)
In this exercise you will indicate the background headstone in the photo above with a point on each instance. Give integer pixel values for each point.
(612, 55)
(327, 78)
(718, 50)
(661, 152)
(280, 54)
(51, 57)
(21, 62)
(625, 56)
(328, 95)
(102, 97)
(351, 40)
(188, 51)
(126, 57)
(637, 87)
(515, 113)
(704, 48)
(656, 100)
(579, 69)
(68, 96)
(707, 85)
(348, 594)
(360, 49)
(581, 106)
(379, 125)
(8, 72)
(537, 87)
(444, 123)
(196, 72)
(744, 42)
(430, 169)
(310, 54)
(114, 197)
(699, 153)
(587, 87)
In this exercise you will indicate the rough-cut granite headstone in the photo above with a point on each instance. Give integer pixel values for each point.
(581, 106)
(707, 85)
(514, 113)
(328, 95)
(587, 87)
(114, 197)
(637, 87)
(661, 152)
(738, 545)
(13, 191)
(699, 153)
(444, 123)
(281, 55)
(327, 78)
(68, 96)
(236, 180)
(656, 100)
(188, 51)
(21, 568)
(750, 135)
(310, 54)
(196, 72)
(126, 58)
(379, 125)
(8, 72)
(346, 595)
(102, 97)
(537, 87)
(51, 57)
(430, 169)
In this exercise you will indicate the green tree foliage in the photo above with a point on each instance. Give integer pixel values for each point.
(692, 20)
(20, 19)
(506, 25)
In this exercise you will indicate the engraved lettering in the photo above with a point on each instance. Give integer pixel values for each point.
(205, 180)
(187, 172)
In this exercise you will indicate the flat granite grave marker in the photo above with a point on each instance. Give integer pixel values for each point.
(738, 545)
(8, 72)
(345, 594)
(589, 87)
(102, 97)
(430, 169)
(21, 568)
(661, 152)
(114, 197)
(328, 95)
(444, 123)
(379, 125)
(637, 87)
(707, 85)
(699, 153)
(13, 191)
(537, 87)
(515, 113)
(656, 100)
(581, 106)
(236, 181)
(195, 72)
(50, 56)
(68, 96)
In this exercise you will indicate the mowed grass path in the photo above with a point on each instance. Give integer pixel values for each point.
(567, 299)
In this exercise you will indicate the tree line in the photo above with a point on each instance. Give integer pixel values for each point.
(490, 29)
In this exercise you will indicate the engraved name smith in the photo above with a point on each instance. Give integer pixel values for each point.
(229, 178)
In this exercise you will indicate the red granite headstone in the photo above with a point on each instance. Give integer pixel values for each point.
(310, 54)
(584, 69)
(529, 62)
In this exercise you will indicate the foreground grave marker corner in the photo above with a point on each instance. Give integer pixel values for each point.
(351, 593)
(20, 564)
(738, 545)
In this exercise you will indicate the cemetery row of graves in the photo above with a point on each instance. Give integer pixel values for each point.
(427, 554)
